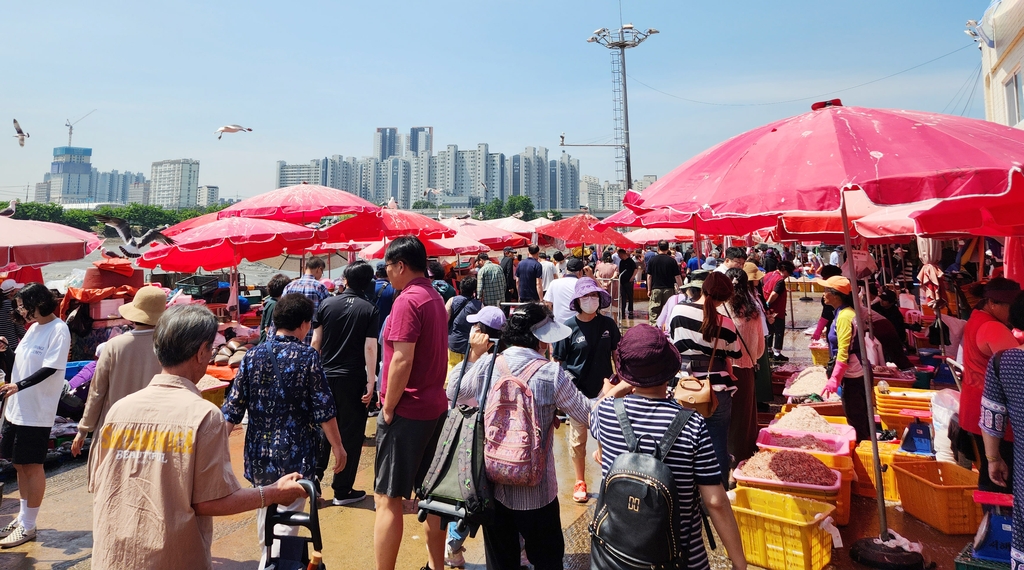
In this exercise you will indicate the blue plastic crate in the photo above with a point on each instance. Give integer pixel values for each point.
(74, 368)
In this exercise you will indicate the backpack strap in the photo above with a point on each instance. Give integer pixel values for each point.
(672, 433)
(627, 429)
(455, 313)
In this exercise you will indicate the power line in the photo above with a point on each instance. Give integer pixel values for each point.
(801, 98)
(962, 91)
(970, 100)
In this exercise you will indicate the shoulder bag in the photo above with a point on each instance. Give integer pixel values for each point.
(696, 393)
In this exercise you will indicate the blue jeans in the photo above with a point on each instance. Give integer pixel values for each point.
(718, 428)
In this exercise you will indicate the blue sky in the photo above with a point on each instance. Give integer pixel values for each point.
(316, 78)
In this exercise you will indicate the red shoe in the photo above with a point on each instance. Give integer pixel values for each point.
(579, 492)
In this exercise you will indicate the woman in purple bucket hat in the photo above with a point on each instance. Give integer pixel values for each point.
(587, 356)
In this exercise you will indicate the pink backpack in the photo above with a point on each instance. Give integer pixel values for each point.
(513, 451)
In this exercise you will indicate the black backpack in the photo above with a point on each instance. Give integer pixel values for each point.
(637, 521)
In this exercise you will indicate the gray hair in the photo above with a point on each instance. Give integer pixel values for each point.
(180, 333)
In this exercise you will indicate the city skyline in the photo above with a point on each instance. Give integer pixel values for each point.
(529, 77)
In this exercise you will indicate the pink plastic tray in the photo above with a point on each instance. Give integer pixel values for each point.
(846, 432)
(825, 490)
(840, 444)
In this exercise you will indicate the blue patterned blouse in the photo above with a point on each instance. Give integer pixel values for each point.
(285, 411)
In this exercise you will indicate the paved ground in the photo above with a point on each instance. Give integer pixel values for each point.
(65, 535)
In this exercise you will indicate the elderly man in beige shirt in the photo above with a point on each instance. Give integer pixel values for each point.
(162, 465)
(127, 362)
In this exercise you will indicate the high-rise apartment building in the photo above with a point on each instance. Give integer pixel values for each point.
(175, 183)
(70, 175)
(647, 180)
(421, 141)
(207, 196)
(113, 186)
(292, 174)
(42, 193)
(385, 143)
(138, 193)
(590, 188)
(529, 176)
(564, 183)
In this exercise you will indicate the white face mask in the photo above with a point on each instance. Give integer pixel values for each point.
(589, 305)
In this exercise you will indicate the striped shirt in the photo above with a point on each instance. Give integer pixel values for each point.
(552, 388)
(684, 330)
(691, 459)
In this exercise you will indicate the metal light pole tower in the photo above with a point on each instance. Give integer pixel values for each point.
(619, 41)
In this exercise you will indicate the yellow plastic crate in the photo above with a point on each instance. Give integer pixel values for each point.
(782, 532)
(889, 454)
(940, 494)
(216, 396)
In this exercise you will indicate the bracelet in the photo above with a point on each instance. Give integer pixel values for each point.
(263, 499)
(996, 458)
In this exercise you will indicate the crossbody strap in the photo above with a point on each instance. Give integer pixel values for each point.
(757, 364)
(455, 313)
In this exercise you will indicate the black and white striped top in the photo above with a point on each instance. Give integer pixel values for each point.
(684, 329)
(692, 458)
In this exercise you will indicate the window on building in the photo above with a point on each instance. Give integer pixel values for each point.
(1014, 99)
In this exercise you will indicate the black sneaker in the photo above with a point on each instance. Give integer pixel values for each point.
(780, 358)
(352, 498)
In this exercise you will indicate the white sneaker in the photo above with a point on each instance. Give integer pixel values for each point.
(19, 536)
(454, 558)
(7, 530)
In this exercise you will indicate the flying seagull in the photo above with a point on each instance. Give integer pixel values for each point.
(231, 129)
(9, 210)
(22, 135)
(132, 247)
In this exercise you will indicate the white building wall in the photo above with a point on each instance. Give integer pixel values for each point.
(1004, 81)
(292, 174)
(175, 183)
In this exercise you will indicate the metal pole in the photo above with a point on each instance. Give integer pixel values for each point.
(868, 376)
(625, 115)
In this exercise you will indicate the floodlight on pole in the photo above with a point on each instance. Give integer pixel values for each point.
(622, 39)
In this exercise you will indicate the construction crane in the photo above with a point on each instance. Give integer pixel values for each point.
(71, 126)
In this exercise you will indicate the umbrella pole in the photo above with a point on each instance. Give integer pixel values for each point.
(868, 550)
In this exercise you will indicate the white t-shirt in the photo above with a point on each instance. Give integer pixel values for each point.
(44, 346)
(559, 294)
(547, 273)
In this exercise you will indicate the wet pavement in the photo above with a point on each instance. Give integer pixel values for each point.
(65, 520)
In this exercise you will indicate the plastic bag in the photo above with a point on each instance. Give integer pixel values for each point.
(944, 405)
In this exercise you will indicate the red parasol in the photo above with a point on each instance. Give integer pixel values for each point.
(651, 236)
(191, 224)
(514, 225)
(803, 163)
(665, 218)
(485, 233)
(26, 243)
(436, 247)
(300, 204)
(226, 242)
(578, 230)
(386, 223)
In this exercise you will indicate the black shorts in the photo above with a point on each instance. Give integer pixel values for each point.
(405, 450)
(23, 445)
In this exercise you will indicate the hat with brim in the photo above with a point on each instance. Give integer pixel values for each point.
(754, 274)
(696, 279)
(549, 331)
(586, 286)
(10, 285)
(491, 317)
(146, 308)
(710, 264)
(837, 282)
(645, 357)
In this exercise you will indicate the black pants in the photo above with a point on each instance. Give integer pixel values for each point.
(855, 405)
(777, 332)
(541, 529)
(1006, 452)
(625, 297)
(348, 391)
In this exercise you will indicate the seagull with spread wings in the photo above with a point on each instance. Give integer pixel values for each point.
(22, 135)
(231, 129)
(132, 247)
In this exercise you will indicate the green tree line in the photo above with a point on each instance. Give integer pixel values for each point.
(497, 209)
(135, 214)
